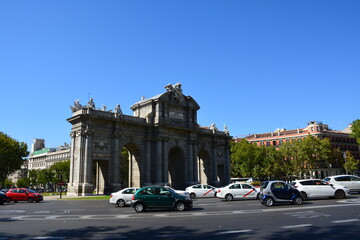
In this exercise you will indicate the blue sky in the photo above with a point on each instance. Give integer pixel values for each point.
(252, 65)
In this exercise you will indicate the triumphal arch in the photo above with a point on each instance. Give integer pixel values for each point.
(162, 144)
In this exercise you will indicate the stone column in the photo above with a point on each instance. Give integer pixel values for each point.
(190, 169)
(165, 161)
(147, 167)
(195, 163)
(159, 162)
(116, 174)
(227, 162)
(87, 186)
(213, 180)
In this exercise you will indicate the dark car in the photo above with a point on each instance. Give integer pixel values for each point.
(279, 192)
(159, 197)
(23, 194)
(3, 198)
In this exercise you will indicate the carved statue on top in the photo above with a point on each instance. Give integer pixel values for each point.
(118, 112)
(91, 104)
(213, 127)
(77, 106)
(176, 91)
(226, 131)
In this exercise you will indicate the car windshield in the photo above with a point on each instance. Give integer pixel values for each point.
(32, 191)
(264, 185)
(171, 190)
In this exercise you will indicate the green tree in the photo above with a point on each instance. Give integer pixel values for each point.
(23, 182)
(355, 130)
(351, 164)
(246, 159)
(12, 154)
(33, 177)
(45, 176)
(61, 170)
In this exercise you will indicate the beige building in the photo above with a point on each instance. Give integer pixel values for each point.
(338, 139)
(41, 157)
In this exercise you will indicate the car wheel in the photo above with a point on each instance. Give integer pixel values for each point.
(229, 197)
(304, 195)
(339, 194)
(120, 203)
(268, 202)
(139, 207)
(298, 200)
(180, 206)
(192, 195)
(30, 199)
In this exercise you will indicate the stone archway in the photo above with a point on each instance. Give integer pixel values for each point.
(176, 168)
(203, 162)
(98, 137)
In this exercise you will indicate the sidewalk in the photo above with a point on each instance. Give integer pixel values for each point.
(64, 196)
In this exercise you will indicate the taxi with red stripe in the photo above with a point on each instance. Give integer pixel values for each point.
(201, 191)
(238, 191)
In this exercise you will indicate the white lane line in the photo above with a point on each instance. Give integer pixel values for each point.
(41, 238)
(297, 226)
(234, 231)
(346, 221)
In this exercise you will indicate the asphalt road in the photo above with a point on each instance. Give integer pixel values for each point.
(209, 219)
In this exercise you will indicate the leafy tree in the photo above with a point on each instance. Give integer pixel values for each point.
(246, 159)
(351, 164)
(8, 184)
(355, 130)
(45, 176)
(61, 170)
(33, 177)
(12, 153)
(23, 182)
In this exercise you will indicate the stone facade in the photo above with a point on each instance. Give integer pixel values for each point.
(165, 145)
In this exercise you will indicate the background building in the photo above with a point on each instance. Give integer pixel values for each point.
(338, 139)
(41, 157)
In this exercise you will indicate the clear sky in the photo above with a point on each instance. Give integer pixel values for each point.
(252, 65)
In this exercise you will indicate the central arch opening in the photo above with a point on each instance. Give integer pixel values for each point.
(204, 167)
(177, 168)
(130, 171)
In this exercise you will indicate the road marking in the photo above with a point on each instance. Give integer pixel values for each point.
(307, 214)
(346, 221)
(40, 238)
(234, 232)
(182, 214)
(297, 226)
(171, 235)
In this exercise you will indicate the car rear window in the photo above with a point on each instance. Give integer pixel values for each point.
(343, 178)
(308, 182)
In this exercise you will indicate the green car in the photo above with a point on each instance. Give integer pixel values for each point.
(159, 197)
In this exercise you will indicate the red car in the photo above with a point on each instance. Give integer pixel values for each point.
(23, 194)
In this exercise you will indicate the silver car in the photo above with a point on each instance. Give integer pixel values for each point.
(123, 197)
(316, 188)
(349, 181)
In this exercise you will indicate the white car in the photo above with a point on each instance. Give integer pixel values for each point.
(349, 181)
(316, 188)
(123, 197)
(201, 190)
(238, 191)
(181, 192)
